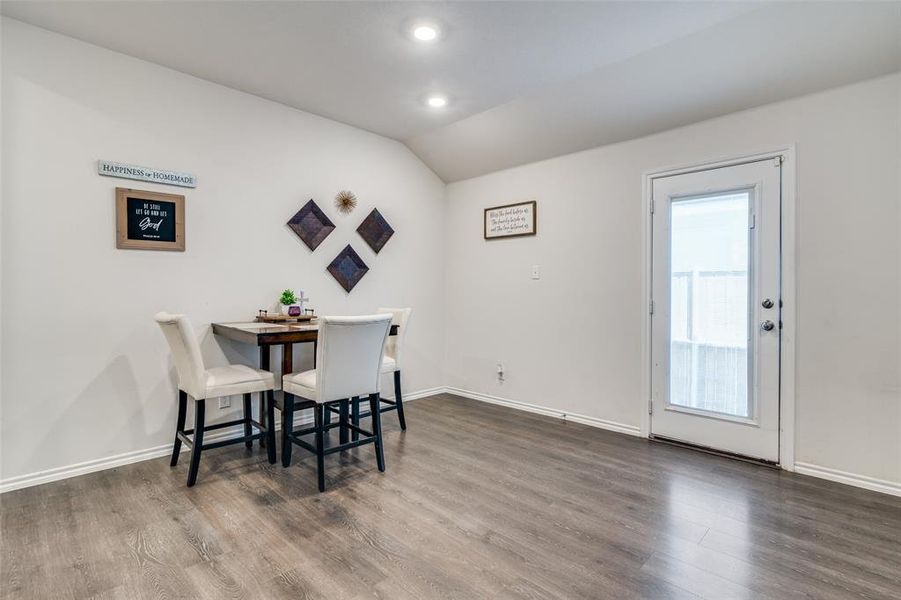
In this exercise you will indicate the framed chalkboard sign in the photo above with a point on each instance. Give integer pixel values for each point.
(149, 220)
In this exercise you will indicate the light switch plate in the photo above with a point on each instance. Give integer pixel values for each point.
(536, 272)
(225, 402)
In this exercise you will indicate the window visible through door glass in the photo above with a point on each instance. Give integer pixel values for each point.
(709, 304)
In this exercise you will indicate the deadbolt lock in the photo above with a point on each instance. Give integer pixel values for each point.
(767, 303)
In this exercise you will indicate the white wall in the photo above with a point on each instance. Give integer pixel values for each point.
(86, 371)
(571, 340)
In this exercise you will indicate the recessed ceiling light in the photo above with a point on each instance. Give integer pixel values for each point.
(436, 101)
(425, 33)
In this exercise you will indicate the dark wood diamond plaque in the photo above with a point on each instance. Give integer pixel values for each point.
(348, 268)
(311, 225)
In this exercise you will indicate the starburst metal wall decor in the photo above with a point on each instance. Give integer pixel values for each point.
(311, 225)
(375, 230)
(348, 268)
(345, 201)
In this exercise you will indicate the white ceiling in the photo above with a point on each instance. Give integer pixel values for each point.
(527, 80)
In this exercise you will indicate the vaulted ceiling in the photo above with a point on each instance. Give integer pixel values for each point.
(525, 80)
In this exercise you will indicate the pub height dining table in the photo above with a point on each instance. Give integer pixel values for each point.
(267, 335)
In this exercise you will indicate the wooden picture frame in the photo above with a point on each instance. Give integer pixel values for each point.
(148, 220)
(521, 217)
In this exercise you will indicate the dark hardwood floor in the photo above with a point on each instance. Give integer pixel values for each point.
(479, 501)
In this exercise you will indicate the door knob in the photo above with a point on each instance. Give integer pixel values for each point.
(767, 325)
(767, 303)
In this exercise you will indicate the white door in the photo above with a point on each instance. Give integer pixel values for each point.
(715, 325)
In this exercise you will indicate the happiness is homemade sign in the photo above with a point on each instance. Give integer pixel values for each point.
(510, 220)
(111, 169)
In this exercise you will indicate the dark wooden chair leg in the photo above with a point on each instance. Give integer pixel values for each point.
(355, 416)
(320, 410)
(270, 432)
(265, 356)
(287, 423)
(262, 420)
(342, 419)
(399, 399)
(377, 430)
(248, 414)
(199, 409)
(179, 426)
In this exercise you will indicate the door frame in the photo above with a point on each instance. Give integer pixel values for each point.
(787, 398)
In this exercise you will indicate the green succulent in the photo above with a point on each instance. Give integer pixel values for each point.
(288, 298)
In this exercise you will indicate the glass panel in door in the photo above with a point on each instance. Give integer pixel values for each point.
(709, 312)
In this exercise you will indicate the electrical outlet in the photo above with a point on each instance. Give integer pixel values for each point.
(536, 272)
(500, 372)
(225, 402)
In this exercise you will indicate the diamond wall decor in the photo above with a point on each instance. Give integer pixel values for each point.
(311, 225)
(348, 268)
(375, 230)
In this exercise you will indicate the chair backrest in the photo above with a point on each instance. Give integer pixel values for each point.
(395, 345)
(186, 352)
(349, 355)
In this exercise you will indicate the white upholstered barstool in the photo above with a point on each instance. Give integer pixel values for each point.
(391, 363)
(394, 348)
(200, 383)
(349, 357)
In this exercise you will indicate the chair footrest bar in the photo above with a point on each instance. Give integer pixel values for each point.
(336, 410)
(383, 409)
(258, 425)
(243, 438)
(183, 436)
(349, 445)
(299, 432)
(312, 430)
(218, 425)
(353, 427)
(215, 426)
(368, 439)
(303, 444)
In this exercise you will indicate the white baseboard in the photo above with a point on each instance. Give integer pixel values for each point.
(127, 458)
(550, 412)
(82, 468)
(424, 393)
(861, 481)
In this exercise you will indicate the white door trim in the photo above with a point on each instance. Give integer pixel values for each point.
(789, 290)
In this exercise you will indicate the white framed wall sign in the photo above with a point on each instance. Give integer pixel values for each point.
(511, 220)
(139, 173)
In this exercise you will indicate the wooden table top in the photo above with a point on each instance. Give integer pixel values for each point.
(262, 334)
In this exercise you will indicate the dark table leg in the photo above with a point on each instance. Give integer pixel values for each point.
(287, 358)
(287, 363)
(264, 365)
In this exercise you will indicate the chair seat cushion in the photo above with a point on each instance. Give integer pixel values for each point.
(237, 379)
(301, 384)
(389, 365)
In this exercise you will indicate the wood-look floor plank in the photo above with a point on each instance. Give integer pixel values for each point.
(478, 502)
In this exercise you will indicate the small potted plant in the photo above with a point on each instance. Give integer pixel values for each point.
(289, 302)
